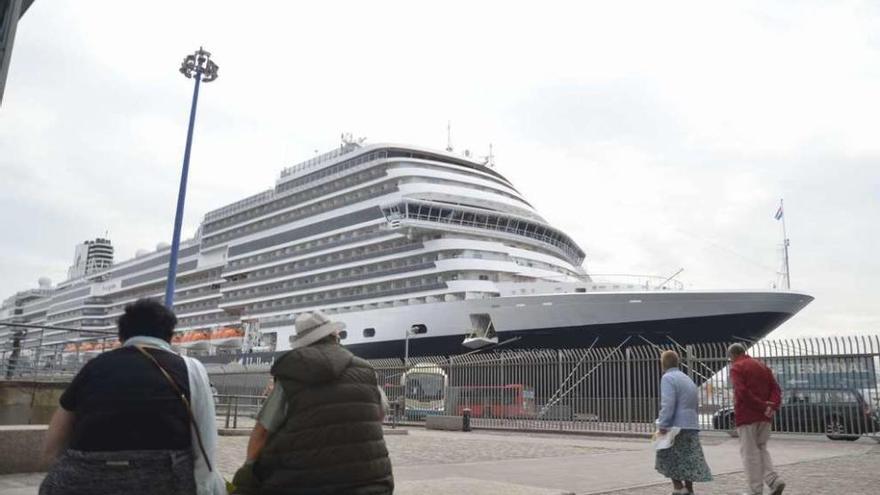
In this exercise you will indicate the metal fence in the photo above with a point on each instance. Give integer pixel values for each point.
(237, 411)
(49, 352)
(829, 386)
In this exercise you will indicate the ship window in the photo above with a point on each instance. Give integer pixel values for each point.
(369, 332)
(343, 335)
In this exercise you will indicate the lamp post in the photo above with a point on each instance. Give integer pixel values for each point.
(416, 329)
(413, 330)
(200, 66)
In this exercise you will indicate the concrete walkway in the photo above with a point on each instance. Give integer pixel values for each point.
(596, 465)
(429, 462)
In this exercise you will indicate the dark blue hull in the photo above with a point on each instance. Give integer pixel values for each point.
(725, 328)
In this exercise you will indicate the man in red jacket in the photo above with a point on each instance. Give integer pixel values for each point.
(756, 399)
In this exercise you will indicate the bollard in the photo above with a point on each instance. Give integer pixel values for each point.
(395, 411)
(235, 418)
(466, 419)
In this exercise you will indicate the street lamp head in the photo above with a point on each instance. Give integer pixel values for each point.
(200, 63)
(210, 72)
(188, 66)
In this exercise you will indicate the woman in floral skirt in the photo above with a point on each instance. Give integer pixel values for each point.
(684, 462)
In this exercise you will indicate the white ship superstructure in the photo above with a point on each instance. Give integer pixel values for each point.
(91, 257)
(384, 237)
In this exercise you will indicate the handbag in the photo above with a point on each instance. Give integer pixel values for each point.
(183, 399)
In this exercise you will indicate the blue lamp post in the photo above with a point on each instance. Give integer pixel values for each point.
(200, 66)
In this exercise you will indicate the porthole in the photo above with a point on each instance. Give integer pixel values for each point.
(343, 334)
(369, 332)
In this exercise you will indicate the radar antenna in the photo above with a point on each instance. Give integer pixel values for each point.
(489, 160)
(449, 136)
(348, 139)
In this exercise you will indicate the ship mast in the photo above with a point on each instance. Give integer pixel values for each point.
(780, 215)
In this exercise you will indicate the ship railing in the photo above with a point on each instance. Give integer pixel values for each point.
(290, 197)
(212, 239)
(331, 281)
(240, 205)
(278, 255)
(614, 281)
(328, 156)
(410, 246)
(212, 293)
(424, 287)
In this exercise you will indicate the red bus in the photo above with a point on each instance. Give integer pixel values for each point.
(493, 401)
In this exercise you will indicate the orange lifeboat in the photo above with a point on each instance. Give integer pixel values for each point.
(70, 348)
(227, 333)
(177, 338)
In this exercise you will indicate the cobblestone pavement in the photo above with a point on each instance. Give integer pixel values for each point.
(430, 448)
(488, 463)
(851, 474)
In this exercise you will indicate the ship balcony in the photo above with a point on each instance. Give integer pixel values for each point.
(307, 268)
(356, 239)
(199, 296)
(359, 299)
(338, 281)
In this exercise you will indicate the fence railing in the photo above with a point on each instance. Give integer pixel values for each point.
(829, 386)
(238, 411)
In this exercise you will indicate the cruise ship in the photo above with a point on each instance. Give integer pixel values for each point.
(401, 243)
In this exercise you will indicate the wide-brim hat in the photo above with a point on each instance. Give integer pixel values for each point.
(312, 327)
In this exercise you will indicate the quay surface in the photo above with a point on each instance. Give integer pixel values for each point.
(432, 462)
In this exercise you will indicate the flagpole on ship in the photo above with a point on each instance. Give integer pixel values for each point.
(780, 215)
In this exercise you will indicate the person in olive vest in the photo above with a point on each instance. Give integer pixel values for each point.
(320, 429)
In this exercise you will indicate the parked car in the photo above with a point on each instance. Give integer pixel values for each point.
(840, 413)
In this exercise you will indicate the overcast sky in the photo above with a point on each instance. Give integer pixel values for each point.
(659, 135)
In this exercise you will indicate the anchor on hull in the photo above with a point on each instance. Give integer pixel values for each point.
(482, 332)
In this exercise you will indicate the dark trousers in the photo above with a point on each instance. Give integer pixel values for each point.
(143, 472)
